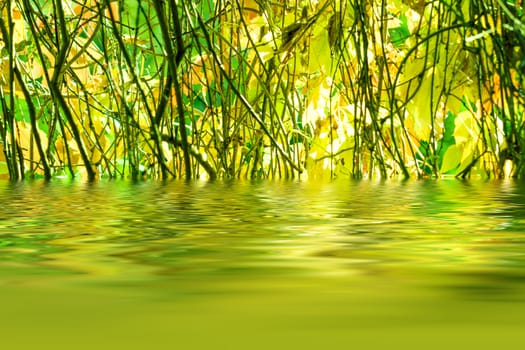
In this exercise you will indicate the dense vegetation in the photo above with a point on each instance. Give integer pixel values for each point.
(259, 88)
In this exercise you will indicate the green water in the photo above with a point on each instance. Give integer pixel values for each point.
(269, 265)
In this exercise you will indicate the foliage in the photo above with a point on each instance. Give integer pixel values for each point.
(254, 88)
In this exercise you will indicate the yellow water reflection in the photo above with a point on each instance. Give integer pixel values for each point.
(262, 265)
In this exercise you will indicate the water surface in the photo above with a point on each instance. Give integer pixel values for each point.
(262, 265)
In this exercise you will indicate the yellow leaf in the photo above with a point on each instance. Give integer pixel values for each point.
(466, 127)
(418, 120)
(19, 29)
(318, 101)
(451, 159)
(421, 89)
(320, 58)
(467, 156)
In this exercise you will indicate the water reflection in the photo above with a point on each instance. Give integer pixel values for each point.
(344, 253)
(442, 225)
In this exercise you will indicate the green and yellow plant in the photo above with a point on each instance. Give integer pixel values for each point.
(262, 89)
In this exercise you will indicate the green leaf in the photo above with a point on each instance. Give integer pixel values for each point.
(20, 46)
(400, 34)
